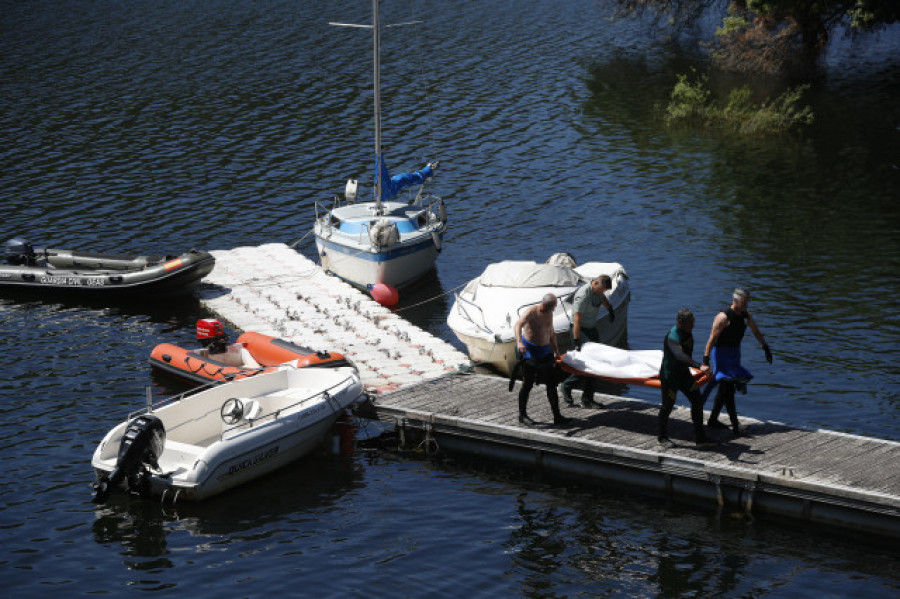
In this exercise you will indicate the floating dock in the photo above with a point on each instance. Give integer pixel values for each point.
(425, 387)
(275, 290)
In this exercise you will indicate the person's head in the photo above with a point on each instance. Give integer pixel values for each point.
(548, 303)
(685, 319)
(740, 298)
(211, 334)
(601, 284)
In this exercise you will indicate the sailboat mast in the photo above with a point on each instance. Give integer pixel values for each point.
(376, 33)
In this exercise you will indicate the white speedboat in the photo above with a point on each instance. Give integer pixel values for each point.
(191, 447)
(485, 311)
(387, 240)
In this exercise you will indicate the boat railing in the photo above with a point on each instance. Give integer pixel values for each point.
(328, 395)
(152, 404)
(462, 304)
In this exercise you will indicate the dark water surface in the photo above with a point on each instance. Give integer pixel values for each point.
(154, 127)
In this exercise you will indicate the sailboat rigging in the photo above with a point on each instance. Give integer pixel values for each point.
(383, 240)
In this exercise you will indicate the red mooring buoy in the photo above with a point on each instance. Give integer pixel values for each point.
(385, 295)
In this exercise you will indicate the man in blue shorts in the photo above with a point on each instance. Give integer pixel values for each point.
(536, 342)
(723, 353)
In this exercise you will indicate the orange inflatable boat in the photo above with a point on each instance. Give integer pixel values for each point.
(262, 353)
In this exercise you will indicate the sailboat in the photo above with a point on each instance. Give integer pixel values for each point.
(391, 239)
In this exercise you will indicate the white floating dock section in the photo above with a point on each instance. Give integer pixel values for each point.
(275, 290)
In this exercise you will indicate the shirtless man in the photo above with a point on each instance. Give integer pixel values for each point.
(536, 342)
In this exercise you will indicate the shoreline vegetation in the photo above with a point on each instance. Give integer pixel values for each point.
(692, 103)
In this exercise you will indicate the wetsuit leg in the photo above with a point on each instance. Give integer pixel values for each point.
(696, 399)
(528, 373)
(727, 395)
(725, 398)
(718, 402)
(553, 398)
(668, 402)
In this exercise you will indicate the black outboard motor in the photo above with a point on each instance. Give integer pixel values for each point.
(141, 446)
(19, 252)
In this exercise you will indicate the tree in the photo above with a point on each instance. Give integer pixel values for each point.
(775, 36)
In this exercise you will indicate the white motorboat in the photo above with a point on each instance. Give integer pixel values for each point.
(387, 240)
(485, 311)
(193, 446)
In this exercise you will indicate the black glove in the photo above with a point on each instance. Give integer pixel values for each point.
(612, 315)
(768, 352)
(577, 342)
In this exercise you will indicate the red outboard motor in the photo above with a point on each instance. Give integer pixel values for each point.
(211, 334)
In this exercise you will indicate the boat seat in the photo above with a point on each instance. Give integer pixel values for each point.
(176, 453)
(252, 409)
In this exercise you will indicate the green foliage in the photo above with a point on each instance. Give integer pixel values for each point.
(731, 25)
(692, 103)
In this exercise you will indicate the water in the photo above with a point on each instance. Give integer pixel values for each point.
(156, 127)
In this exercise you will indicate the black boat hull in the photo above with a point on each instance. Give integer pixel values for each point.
(64, 273)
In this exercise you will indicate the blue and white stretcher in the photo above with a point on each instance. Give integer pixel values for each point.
(630, 367)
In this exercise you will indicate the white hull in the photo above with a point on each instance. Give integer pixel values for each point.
(347, 250)
(203, 456)
(482, 317)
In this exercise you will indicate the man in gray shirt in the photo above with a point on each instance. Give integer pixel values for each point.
(586, 304)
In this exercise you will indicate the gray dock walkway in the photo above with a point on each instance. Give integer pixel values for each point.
(813, 476)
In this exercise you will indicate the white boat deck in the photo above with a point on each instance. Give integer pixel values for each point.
(275, 290)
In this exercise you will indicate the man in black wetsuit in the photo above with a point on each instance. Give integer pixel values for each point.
(675, 375)
(723, 351)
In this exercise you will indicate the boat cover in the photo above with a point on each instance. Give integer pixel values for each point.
(391, 186)
(614, 363)
(514, 273)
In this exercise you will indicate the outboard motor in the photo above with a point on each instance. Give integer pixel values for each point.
(141, 446)
(211, 334)
(19, 252)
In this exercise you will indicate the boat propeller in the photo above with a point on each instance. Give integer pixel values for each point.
(139, 450)
(232, 410)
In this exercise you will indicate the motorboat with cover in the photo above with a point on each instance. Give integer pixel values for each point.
(56, 272)
(485, 311)
(630, 367)
(252, 354)
(390, 239)
(193, 446)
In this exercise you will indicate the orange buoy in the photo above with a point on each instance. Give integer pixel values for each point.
(385, 295)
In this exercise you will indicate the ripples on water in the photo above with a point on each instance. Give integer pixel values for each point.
(160, 126)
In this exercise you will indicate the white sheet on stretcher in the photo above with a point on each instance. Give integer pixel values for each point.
(611, 362)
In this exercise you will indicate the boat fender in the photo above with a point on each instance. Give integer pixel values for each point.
(141, 446)
(442, 212)
(385, 294)
(350, 190)
(436, 238)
